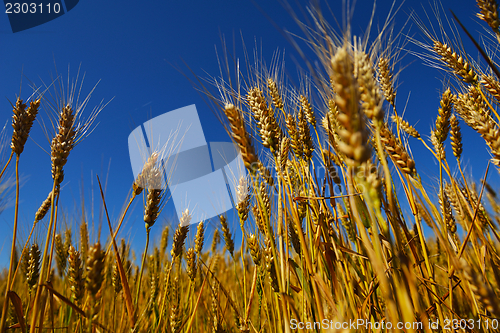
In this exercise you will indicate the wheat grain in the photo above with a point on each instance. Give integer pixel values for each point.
(448, 218)
(94, 269)
(458, 65)
(84, 239)
(61, 255)
(369, 91)
(308, 110)
(264, 116)
(199, 239)
(63, 143)
(175, 320)
(243, 199)
(304, 135)
(154, 198)
(241, 137)
(228, 238)
(178, 240)
(142, 180)
(492, 86)
(473, 110)
(456, 136)
(44, 207)
(385, 78)
(253, 245)
(489, 13)
(443, 118)
(396, 151)
(291, 125)
(164, 239)
(438, 146)
(75, 274)
(405, 126)
(353, 134)
(283, 154)
(33, 266)
(275, 94)
(191, 264)
(22, 121)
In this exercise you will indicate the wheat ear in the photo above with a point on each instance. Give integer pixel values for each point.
(228, 238)
(489, 13)
(385, 78)
(241, 137)
(458, 65)
(405, 126)
(353, 133)
(75, 274)
(396, 151)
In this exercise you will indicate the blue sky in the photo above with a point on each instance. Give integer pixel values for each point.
(133, 49)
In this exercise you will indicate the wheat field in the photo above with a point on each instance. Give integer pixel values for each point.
(338, 231)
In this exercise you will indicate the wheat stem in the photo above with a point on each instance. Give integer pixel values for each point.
(13, 249)
(121, 220)
(6, 164)
(143, 263)
(38, 301)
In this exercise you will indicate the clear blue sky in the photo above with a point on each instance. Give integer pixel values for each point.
(130, 47)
